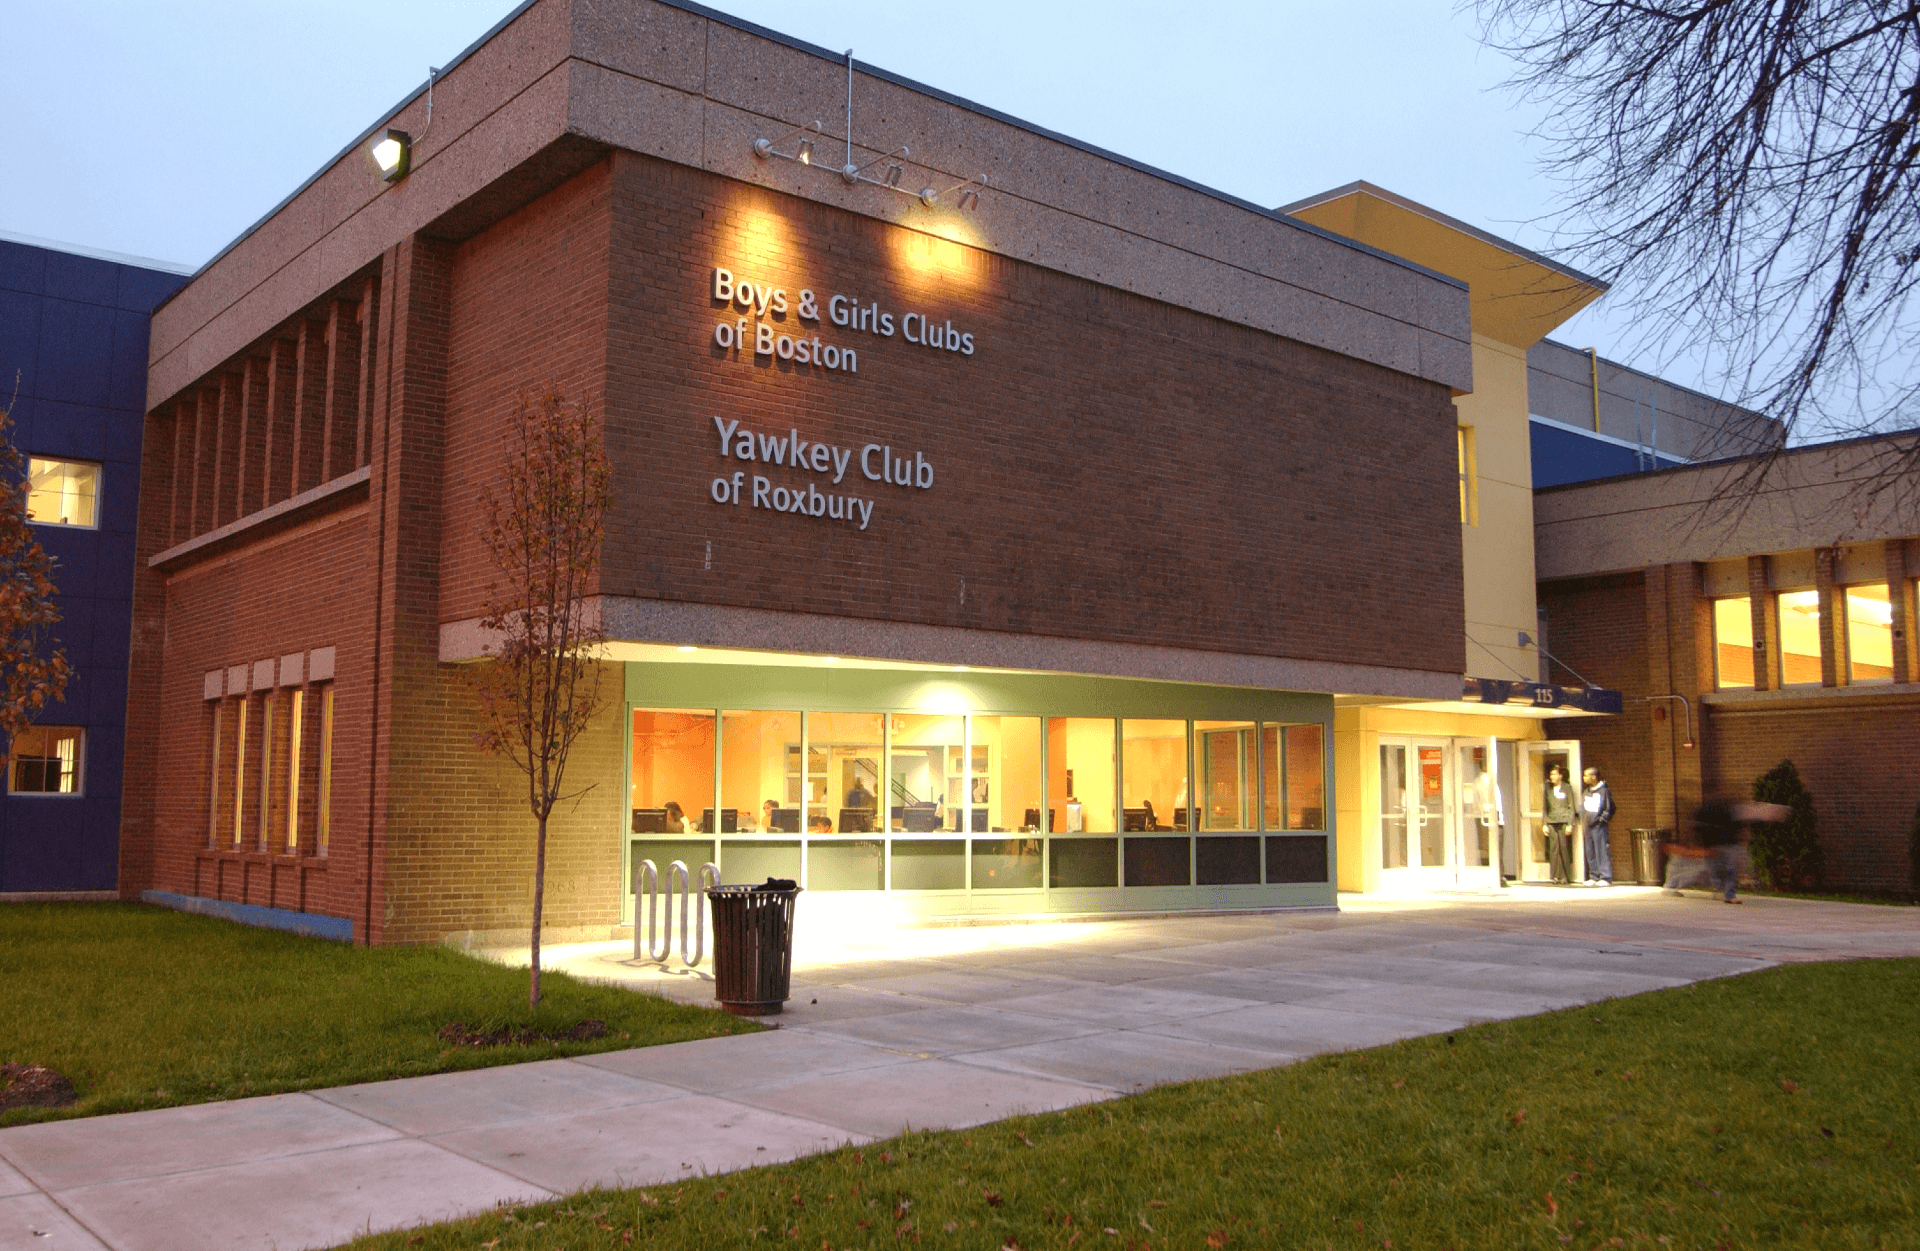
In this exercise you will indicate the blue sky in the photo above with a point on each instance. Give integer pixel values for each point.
(165, 131)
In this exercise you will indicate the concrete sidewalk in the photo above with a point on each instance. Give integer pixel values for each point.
(922, 1027)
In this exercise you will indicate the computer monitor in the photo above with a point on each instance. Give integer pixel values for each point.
(922, 818)
(784, 821)
(729, 820)
(856, 820)
(980, 820)
(649, 820)
(1031, 820)
(1135, 820)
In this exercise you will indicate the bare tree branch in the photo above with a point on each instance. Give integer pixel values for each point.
(540, 688)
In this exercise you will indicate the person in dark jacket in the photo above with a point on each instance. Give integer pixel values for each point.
(1719, 834)
(1559, 818)
(1596, 810)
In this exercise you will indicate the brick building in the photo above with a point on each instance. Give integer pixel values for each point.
(1108, 484)
(1747, 622)
(73, 351)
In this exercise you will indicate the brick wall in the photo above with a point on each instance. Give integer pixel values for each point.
(1860, 757)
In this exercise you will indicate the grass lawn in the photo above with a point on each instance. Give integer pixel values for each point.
(1777, 1109)
(143, 1007)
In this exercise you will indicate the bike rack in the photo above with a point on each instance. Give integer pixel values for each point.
(646, 879)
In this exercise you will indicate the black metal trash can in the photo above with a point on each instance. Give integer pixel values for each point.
(753, 946)
(1649, 861)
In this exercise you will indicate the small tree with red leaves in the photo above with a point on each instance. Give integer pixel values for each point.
(31, 675)
(539, 687)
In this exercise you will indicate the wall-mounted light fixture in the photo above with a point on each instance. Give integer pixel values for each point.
(393, 152)
(852, 174)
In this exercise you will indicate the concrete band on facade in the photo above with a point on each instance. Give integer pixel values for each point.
(669, 624)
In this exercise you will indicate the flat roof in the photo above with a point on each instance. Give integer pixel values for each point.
(100, 254)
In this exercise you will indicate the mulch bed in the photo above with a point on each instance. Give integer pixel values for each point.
(457, 1034)
(34, 1086)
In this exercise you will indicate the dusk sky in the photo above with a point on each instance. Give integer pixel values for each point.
(166, 131)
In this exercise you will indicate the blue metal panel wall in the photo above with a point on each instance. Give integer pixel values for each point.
(74, 330)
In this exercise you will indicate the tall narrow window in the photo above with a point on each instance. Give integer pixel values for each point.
(323, 808)
(1869, 634)
(296, 727)
(240, 770)
(1733, 643)
(1799, 638)
(213, 775)
(1469, 478)
(267, 702)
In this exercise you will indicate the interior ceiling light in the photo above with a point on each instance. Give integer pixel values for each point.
(852, 174)
(393, 152)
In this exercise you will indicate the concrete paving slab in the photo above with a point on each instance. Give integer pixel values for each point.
(1298, 1030)
(1124, 1061)
(13, 1182)
(1282, 985)
(1123, 1008)
(927, 1094)
(744, 1061)
(443, 1102)
(1109, 970)
(643, 1144)
(962, 985)
(318, 1199)
(33, 1222)
(944, 1031)
(58, 1155)
(1441, 1002)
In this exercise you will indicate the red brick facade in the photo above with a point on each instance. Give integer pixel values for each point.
(1649, 633)
(1106, 468)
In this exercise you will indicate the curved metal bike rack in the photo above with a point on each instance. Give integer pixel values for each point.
(656, 944)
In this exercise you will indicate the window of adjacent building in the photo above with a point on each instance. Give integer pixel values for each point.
(47, 760)
(214, 754)
(63, 492)
(1799, 638)
(1869, 633)
(269, 705)
(671, 784)
(1733, 643)
(1080, 769)
(1469, 478)
(1153, 775)
(241, 707)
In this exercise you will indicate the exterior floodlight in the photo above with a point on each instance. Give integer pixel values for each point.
(806, 151)
(393, 153)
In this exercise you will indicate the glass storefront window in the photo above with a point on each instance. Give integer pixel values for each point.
(1005, 781)
(1799, 638)
(1869, 633)
(672, 779)
(1226, 756)
(843, 772)
(1306, 777)
(1083, 862)
(760, 782)
(1733, 643)
(1080, 781)
(926, 774)
(1153, 775)
(1006, 864)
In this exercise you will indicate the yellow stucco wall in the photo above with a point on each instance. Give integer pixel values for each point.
(1356, 745)
(1497, 554)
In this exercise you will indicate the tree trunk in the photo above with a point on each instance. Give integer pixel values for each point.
(539, 894)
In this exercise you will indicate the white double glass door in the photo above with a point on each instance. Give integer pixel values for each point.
(1535, 850)
(1441, 813)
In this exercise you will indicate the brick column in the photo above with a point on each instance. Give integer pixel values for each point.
(1679, 661)
(407, 434)
(1833, 625)
(1900, 596)
(1766, 624)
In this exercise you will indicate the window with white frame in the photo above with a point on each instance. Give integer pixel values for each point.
(63, 492)
(47, 760)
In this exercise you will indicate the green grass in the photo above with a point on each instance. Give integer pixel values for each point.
(143, 1007)
(1775, 1109)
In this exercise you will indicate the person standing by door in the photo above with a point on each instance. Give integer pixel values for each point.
(1596, 810)
(1559, 819)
